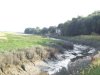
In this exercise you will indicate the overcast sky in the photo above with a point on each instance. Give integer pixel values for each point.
(16, 15)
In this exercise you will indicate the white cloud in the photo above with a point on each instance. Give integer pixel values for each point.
(15, 15)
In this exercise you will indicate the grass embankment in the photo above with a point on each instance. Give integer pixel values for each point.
(91, 40)
(87, 37)
(83, 37)
(94, 68)
(11, 42)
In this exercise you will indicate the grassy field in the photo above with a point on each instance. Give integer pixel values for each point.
(12, 41)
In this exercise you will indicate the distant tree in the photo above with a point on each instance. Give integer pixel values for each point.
(44, 30)
(37, 30)
(81, 25)
(76, 26)
(52, 29)
(29, 31)
(61, 28)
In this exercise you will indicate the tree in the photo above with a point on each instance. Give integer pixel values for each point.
(29, 31)
(44, 30)
(81, 25)
(52, 29)
(37, 30)
(61, 28)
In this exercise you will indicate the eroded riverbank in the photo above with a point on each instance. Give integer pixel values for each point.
(56, 60)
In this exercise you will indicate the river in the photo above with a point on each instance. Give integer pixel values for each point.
(57, 66)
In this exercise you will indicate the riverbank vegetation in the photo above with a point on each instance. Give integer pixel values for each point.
(90, 40)
(94, 68)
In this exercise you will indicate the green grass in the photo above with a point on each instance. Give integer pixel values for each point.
(87, 37)
(83, 37)
(15, 42)
(94, 68)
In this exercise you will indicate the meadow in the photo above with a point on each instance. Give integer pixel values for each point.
(13, 42)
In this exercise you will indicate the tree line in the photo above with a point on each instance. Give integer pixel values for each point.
(51, 30)
(76, 26)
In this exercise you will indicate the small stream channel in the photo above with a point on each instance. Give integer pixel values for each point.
(60, 65)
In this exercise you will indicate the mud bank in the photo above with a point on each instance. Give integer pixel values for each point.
(24, 61)
(28, 61)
